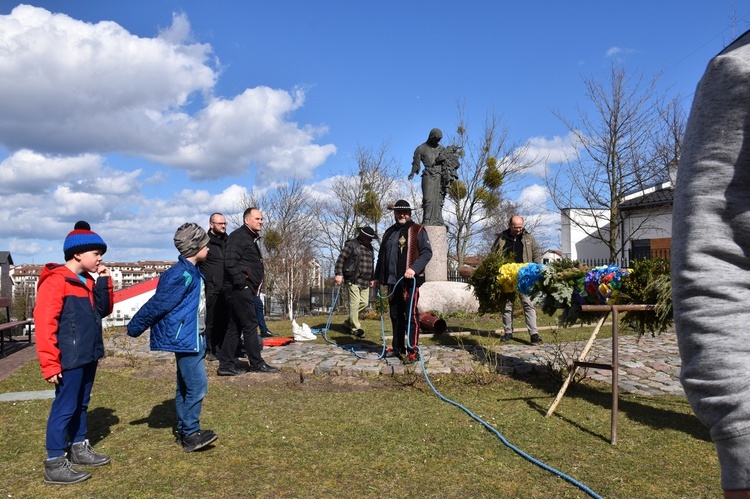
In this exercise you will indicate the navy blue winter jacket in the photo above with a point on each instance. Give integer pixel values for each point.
(173, 313)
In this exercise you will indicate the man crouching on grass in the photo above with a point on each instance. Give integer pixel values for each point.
(176, 313)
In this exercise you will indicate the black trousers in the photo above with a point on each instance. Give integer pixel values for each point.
(242, 324)
(217, 320)
(403, 312)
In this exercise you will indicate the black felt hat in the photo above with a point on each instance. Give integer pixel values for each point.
(368, 232)
(401, 204)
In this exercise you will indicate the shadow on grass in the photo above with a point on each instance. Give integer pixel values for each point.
(642, 409)
(448, 340)
(100, 422)
(161, 416)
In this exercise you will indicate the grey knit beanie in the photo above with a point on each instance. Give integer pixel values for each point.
(189, 239)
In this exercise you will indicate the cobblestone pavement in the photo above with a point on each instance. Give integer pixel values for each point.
(648, 366)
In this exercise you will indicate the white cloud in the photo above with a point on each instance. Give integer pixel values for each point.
(545, 222)
(542, 151)
(71, 87)
(533, 196)
(133, 226)
(616, 52)
(231, 133)
(27, 171)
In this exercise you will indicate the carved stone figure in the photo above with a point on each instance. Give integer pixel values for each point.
(440, 167)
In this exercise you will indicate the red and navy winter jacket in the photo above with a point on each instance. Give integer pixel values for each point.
(68, 318)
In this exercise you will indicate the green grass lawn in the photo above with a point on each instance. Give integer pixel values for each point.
(363, 437)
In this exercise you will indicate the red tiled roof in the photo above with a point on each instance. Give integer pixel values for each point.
(135, 290)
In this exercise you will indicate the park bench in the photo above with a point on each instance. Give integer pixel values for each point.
(8, 328)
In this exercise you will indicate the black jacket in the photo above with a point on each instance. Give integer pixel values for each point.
(417, 252)
(212, 267)
(243, 262)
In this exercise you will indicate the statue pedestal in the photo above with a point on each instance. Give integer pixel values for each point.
(437, 294)
(437, 268)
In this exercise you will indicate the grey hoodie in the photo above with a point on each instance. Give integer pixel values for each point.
(711, 259)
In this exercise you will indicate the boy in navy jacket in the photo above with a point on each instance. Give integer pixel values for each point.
(176, 315)
(68, 320)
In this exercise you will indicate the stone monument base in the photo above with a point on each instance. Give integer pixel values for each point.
(447, 297)
(437, 267)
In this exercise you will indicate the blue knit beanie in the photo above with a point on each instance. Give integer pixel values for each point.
(81, 240)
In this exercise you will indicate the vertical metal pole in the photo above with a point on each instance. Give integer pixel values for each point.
(615, 369)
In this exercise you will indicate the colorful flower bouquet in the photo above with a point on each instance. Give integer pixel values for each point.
(600, 286)
(565, 286)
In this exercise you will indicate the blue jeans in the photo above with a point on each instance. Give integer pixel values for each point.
(258, 301)
(67, 416)
(192, 386)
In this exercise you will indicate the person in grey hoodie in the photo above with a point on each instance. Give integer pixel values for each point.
(711, 260)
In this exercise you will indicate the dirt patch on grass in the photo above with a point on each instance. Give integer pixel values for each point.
(150, 369)
(292, 380)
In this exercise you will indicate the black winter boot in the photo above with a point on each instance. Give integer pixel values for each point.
(58, 471)
(83, 454)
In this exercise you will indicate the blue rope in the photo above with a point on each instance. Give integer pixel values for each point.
(476, 418)
(334, 301)
(351, 347)
(354, 348)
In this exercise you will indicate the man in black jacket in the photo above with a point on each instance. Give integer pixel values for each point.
(212, 268)
(403, 256)
(243, 276)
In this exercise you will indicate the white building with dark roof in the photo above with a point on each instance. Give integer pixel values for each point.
(646, 228)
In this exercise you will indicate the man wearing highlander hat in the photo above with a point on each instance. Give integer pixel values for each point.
(404, 253)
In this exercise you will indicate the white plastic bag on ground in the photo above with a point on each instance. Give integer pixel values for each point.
(302, 333)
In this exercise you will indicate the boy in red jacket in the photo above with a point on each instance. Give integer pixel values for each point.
(68, 320)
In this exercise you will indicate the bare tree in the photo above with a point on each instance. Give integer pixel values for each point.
(668, 138)
(489, 163)
(359, 198)
(497, 222)
(627, 143)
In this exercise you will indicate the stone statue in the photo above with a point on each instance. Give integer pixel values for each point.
(440, 170)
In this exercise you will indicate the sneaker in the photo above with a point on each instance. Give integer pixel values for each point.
(58, 471)
(507, 337)
(82, 454)
(198, 440)
(535, 339)
(211, 357)
(267, 334)
(359, 333)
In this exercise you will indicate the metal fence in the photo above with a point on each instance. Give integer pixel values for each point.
(454, 276)
(633, 256)
(315, 301)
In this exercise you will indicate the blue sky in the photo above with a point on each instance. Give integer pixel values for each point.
(140, 115)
